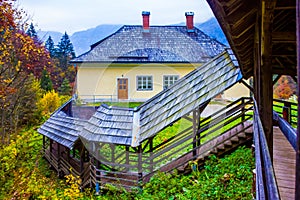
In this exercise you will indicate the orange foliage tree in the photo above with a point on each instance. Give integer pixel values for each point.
(284, 88)
(21, 59)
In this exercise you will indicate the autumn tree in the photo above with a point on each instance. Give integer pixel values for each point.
(21, 63)
(284, 88)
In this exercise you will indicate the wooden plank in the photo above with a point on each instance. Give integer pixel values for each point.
(284, 165)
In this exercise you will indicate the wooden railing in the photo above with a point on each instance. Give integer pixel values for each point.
(266, 186)
(287, 110)
(286, 128)
(131, 167)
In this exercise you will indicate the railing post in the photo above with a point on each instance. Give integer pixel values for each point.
(286, 112)
(140, 167)
(97, 177)
(196, 119)
(243, 110)
(127, 157)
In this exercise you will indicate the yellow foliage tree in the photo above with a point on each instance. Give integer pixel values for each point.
(49, 103)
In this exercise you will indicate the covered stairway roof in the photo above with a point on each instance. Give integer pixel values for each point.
(130, 127)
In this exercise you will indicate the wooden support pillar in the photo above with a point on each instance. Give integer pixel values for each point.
(265, 79)
(151, 154)
(44, 143)
(58, 160)
(297, 182)
(127, 157)
(140, 165)
(196, 139)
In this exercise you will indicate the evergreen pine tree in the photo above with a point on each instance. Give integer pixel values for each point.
(46, 82)
(65, 88)
(32, 33)
(65, 51)
(49, 45)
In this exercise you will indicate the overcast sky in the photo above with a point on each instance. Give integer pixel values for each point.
(76, 15)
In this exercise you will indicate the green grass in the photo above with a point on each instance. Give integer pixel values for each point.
(118, 104)
(220, 178)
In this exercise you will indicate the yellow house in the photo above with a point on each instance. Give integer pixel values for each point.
(137, 62)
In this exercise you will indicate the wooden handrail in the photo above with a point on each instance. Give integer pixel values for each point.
(266, 186)
(288, 131)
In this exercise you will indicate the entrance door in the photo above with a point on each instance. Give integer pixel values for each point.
(122, 88)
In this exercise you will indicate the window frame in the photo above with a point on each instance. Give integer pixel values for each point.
(144, 88)
(168, 76)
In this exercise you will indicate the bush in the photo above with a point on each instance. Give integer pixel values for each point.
(49, 103)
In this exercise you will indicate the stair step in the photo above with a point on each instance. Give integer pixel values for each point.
(228, 143)
(221, 147)
(235, 139)
(242, 135)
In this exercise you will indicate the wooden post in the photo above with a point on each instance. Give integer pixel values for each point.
(44, 144)
(265, 73)
(58, 159)
(127, 157)
(51, 143)
(151, 154)
(243, 110)
(297, 182)
(286, 113)
(196, 139)
(140, 166)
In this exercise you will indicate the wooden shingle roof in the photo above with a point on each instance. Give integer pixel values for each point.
(62, 129)
(161, 44)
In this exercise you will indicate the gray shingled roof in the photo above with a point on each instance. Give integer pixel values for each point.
(131, 127)
(161, 44)
(62, 128)
(109, 124)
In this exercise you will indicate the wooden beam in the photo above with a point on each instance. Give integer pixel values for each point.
(284, 37)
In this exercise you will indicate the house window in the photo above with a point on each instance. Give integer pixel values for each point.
(144, 83)
(170, 80)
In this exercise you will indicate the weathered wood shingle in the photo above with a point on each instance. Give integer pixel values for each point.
(110, 125)
(162, 44)
(62, 129)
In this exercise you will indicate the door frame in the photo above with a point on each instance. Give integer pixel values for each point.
(118, 87)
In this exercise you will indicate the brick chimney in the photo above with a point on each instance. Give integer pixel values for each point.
(190, 21)
(146, 24)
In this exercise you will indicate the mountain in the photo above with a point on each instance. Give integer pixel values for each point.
(212, 28)
(43, 35)
(82, 40)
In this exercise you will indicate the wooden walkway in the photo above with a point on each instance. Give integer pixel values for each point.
(284, 165)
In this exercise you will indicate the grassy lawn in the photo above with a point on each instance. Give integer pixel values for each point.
(118, 104)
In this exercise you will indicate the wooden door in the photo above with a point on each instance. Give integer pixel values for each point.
(122, 88)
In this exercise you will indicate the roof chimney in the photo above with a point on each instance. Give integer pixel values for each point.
(146, 24)
(190, 21)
